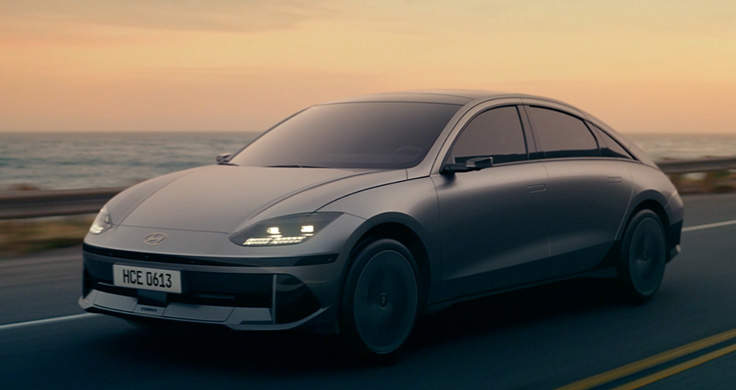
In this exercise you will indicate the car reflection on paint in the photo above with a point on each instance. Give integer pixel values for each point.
(356, 216)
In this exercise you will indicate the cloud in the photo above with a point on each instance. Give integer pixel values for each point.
(182, 15)
(176, 98)
(580, 16)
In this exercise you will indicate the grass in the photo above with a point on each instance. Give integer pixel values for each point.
(20, 237)
(705, 182)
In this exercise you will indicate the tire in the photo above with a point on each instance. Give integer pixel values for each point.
(642, 262)
(380, 300)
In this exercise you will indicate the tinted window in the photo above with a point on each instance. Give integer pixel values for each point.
(609, 146)
(562, 135)
(495, 133)
(351, 135)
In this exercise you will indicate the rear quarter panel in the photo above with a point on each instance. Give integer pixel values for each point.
(652, 184)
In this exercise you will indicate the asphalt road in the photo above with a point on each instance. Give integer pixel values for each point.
(543, 338)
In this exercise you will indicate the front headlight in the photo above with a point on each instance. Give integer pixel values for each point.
(289, 230)
(102, 223)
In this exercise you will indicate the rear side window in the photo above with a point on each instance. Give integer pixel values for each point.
(562, 135)
(609, 146)
(496, 133)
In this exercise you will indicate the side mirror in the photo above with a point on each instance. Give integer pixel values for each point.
(223, 158)
(471, 164)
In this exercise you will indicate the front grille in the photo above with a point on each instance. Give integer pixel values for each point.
(289, 298)
(218, 261)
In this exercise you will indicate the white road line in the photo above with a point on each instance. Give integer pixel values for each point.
(46, 321)
(708, 226)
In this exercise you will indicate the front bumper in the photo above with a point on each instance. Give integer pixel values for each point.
(236, 296)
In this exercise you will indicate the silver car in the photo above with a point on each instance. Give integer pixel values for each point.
(356, 216)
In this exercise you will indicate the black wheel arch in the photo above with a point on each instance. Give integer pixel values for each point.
(656, 207)
(391, 227)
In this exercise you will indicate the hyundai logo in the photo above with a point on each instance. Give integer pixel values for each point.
(155, 238)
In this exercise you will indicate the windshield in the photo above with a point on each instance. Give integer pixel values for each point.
(385, 135)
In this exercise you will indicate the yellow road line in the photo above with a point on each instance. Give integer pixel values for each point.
(677, 369)
(649, 362)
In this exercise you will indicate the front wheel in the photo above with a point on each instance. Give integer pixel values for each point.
(380, 299)
(642, 262)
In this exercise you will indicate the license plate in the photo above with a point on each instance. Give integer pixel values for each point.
(147, 278)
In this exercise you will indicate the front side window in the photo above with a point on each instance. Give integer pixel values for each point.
(562, 135)
(496, 133)
(372, 135)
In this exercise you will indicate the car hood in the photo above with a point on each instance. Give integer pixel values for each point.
(224, 198)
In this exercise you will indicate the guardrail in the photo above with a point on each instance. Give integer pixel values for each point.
(33, 204)
(701, 165)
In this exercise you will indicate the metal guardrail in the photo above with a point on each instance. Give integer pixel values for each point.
(701, 165)
(32, 204)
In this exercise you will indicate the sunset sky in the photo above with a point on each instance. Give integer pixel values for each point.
(176, 65)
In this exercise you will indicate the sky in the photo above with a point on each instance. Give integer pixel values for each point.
(242, 65)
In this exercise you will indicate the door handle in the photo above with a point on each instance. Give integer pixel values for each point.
(534, 188)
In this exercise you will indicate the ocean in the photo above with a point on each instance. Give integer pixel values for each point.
(89, 160)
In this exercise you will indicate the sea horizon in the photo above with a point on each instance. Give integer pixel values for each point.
(74, 160)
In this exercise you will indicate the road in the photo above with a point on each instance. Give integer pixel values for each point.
(543, 338)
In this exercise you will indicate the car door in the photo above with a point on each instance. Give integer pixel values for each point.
(588, 194)
(493, 221)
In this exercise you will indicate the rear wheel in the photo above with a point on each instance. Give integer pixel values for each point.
(642, 262)
(380, 299)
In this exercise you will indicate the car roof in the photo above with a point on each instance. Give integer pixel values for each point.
(463, 97)
(445, 96)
